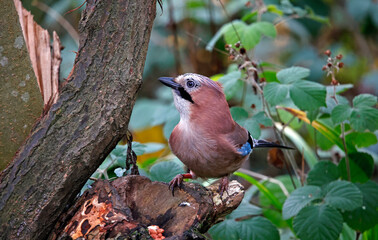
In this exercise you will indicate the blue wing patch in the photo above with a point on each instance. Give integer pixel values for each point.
(245, 149)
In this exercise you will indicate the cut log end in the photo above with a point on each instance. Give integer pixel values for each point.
(135, 205)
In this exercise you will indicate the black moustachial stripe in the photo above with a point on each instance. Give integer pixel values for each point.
(184, 94)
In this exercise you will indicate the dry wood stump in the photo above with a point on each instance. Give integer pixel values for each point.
(125, 207)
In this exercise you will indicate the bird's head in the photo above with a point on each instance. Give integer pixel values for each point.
(193, 92)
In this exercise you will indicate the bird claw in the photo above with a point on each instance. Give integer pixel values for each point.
(223, 186)
(176, 182)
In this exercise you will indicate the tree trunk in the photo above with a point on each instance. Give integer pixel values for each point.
(20, 99)
(91, 115)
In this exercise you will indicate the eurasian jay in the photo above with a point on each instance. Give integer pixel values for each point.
(207, 140)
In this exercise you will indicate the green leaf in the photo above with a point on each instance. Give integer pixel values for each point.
(262, 119)
(322, 173)
(273, 9)
(361, 139)
(274, 215)
(239, 114)
(230, 36)
(342, 195)
(228, 227)
(364, 100)
(341, 113)
(300, 198)
(250, 37)
(364, 118)
(361, 167)
(256, 228)
(165, 171)
(308, 95)
(290, 75)
(318, 223)
(366, 216)
(347, 233)
(253, 127)
(231, 83)
(270, 76)
(249, 16)
(245, 209)
(274, 92)
(265, 28)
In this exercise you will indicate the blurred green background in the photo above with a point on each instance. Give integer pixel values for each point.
(182, 29)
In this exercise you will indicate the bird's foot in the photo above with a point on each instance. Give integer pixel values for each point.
(223, 186)
(177, 181)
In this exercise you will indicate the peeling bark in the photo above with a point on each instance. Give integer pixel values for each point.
(84, 125)
(128, 205)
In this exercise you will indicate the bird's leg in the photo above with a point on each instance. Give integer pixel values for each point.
(177, 181)
(223, 186)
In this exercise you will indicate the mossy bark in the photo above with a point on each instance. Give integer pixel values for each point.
(90, 117)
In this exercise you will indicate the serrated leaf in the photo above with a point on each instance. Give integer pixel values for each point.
(300, 198)
(364, 100)
(308, 95)
(342, 195)
(322, 173)
(165, 171)
(290, 75)
(318, 223)
(340, 113)
(361, 167)
(275, 92)
(361, 139)
(364, 118)
(366, 216)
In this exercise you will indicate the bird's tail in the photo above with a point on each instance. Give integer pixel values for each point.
(265, 144)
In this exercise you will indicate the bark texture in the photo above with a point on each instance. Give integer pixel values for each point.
(124, 208)
(20, 100)
(84, 125)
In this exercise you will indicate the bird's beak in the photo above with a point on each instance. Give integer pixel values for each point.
(169, 81)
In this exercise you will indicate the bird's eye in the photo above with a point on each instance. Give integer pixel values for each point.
(190, 84)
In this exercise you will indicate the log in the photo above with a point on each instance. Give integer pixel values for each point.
(90, 117)
(126, 207)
